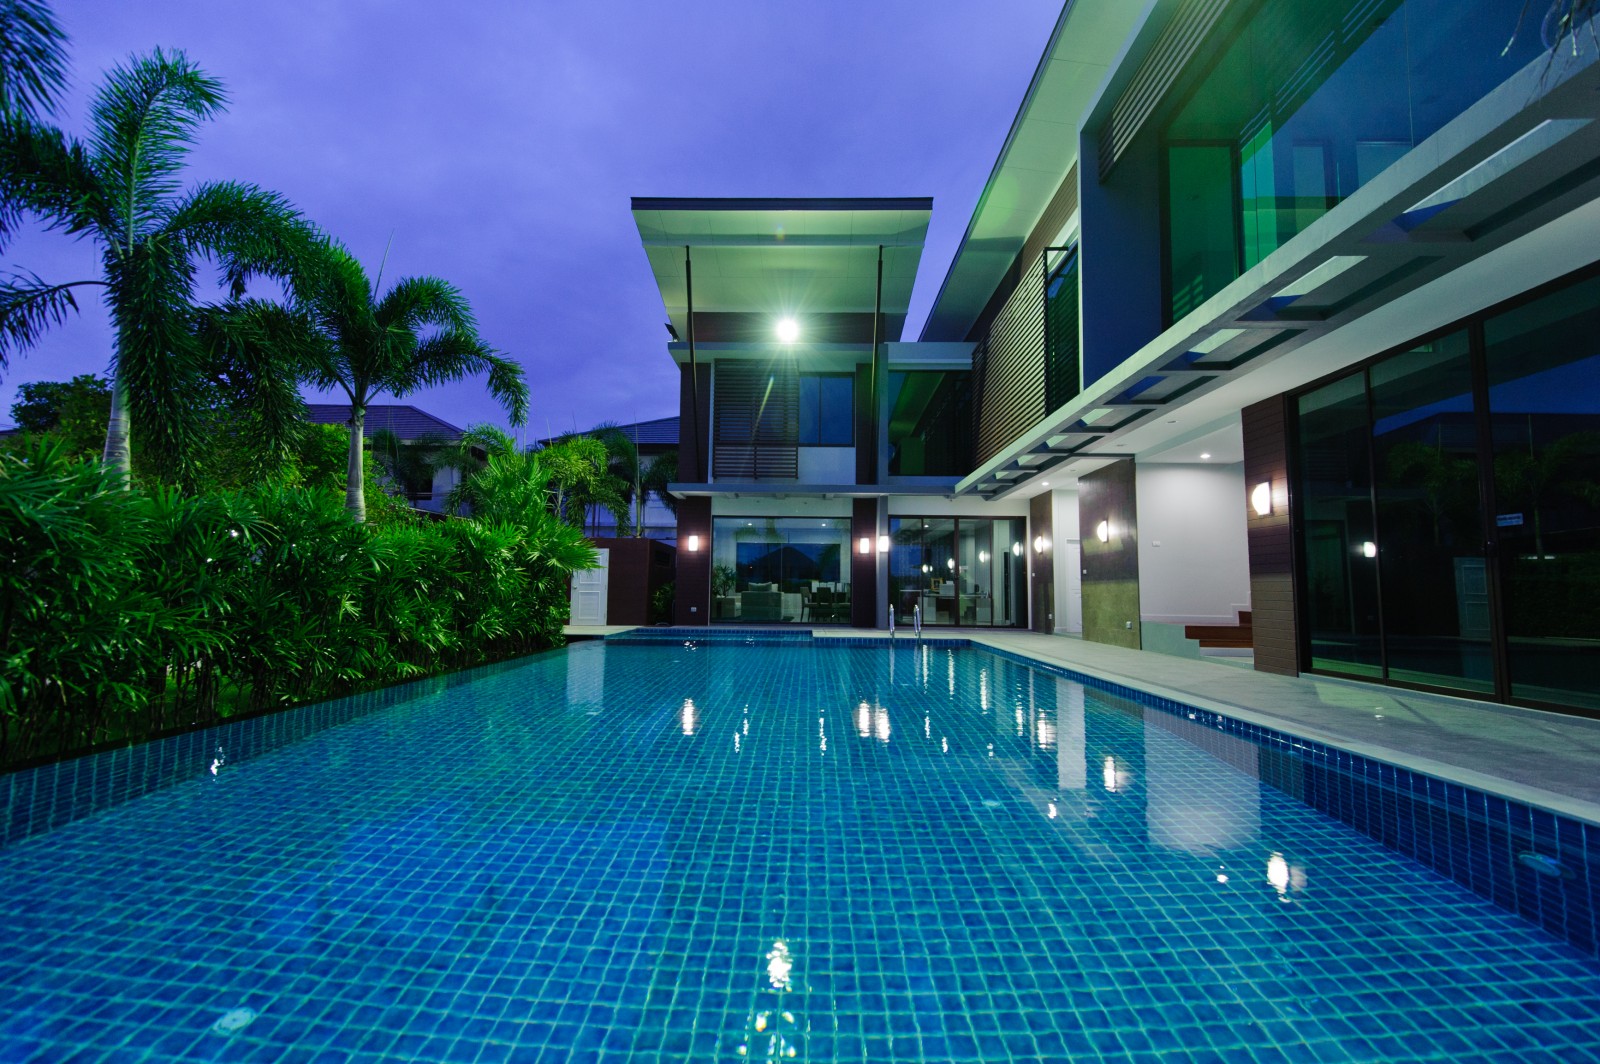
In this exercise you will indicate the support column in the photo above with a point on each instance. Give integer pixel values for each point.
(1273, 618)
(1041, 564)
(692, 592)
(864, 567)
(1111, 565)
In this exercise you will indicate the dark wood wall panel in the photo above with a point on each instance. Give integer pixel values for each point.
(692, 592)
(638, 567)
(1041, 565)
(864, 567)
(1271, 538)
(692, 446)
(1110, 569)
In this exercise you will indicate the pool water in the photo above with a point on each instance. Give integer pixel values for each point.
(713, 852)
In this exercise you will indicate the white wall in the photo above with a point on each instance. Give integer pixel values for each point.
(1069, 584)
(1194, 567)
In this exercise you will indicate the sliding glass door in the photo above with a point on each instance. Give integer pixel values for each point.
(959, 571)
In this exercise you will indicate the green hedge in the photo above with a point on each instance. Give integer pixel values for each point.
(126, 613)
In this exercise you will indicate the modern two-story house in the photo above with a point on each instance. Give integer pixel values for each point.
(1285, 310)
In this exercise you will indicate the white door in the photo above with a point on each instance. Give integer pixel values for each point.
(589, 592)
(1071, 559)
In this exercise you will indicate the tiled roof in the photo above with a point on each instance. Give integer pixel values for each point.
(404, 420)
(663, 431)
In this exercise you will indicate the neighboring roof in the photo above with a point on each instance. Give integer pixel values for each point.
(404, 420)
(757, 260)
(661, 432)
(1039, 150)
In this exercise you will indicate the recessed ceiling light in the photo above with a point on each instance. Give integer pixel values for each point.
(1044, 484)
(1205, 454)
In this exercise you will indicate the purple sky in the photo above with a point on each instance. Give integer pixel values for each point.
(500, 141)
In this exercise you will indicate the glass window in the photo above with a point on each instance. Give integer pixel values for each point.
(959, 571)
(1311, 100)
(773, 570)
(1544, 403)
(930, 424)
(1431, 561)
(826, 410)
(1340, 546)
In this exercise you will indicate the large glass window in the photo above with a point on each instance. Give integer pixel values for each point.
(1311, 100)
(930, 423)
(826, 410)
(1544, 404)
(1430, 533)
(962, 571)
(1341, 548)
(1412, 572)
(776, 570)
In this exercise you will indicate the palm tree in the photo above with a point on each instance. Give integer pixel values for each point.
(121, 189)
(33, 59)
(420, 333)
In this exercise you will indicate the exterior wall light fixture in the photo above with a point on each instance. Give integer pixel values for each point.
(694, 544)
(865, 546)
(1102, 531)
(1261, 499)
(1040, 544)
(1369, 549)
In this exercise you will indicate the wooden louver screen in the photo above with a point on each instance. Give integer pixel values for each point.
(1178, 43)
(1010, 382)
(757, 418)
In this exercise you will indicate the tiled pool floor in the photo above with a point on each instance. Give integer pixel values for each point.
(642, 853)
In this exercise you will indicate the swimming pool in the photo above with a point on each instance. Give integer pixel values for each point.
(667, 850)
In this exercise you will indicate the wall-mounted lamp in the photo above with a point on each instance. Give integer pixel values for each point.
(1369, 549)
(694, 544)
(1102, 531)
(1040, 544)
(1261, 499)
(1016, 549)
(865, 545)
(883, 544)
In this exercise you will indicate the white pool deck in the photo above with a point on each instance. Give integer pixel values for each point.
(1543, 758)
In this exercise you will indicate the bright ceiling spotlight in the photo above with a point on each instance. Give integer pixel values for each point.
(788, 330)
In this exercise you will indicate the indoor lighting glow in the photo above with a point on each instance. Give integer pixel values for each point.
(883, 544)
(1261, 499)
(1369, 549)
(1102, 531)
(983, 556)
(1016, 548)
(788, 330)
(865, 546)
(950, 563)
(694, 544)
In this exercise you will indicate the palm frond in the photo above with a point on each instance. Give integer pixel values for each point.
(144, 120)
(258, 353)
(28, 307)
(418, 301)
(451, 356)
(33, 58)
(45, 173)
(249, 231)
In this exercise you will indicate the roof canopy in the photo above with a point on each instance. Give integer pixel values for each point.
(758, 261)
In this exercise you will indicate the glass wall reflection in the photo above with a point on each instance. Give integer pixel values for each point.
(778, 570)
(1544, 404)
(1412, 572)
(961, 571)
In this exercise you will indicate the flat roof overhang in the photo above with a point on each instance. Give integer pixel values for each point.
(814, 260)
(1519, 172)
(1039, 150)
(777, 489)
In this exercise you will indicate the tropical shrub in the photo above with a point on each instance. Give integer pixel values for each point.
(125, 613)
